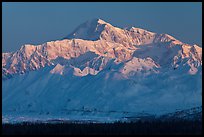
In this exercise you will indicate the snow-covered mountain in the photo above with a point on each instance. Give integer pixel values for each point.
(105, 70)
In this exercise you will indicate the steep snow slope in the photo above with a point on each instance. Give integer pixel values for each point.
(112, 42)
(98, 29)
(101, 71)
(43, 93)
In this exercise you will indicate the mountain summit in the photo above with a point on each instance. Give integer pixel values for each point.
(90, 30)
(106, 41)
(102, 71)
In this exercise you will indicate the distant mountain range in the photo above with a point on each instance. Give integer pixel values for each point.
(102, 72)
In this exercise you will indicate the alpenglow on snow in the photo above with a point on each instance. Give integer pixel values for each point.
(101, 72)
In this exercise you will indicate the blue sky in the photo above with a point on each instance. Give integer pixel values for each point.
(36, 23)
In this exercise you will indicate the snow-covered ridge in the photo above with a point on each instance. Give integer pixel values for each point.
(104, 40)
(102, 72)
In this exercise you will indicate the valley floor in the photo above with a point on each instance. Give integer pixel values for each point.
(117, 128)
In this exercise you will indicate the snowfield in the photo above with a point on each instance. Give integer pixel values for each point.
(101, 73)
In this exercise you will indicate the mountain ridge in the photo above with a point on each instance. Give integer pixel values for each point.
(118, 70)
(104, 46)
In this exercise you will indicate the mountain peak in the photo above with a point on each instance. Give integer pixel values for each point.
(97, 20)
(101, 21)
(100, 67)
(90, 30)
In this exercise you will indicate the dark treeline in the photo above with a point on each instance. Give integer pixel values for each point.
(139, 127)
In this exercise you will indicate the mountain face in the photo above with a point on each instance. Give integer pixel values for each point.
(100, 70)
